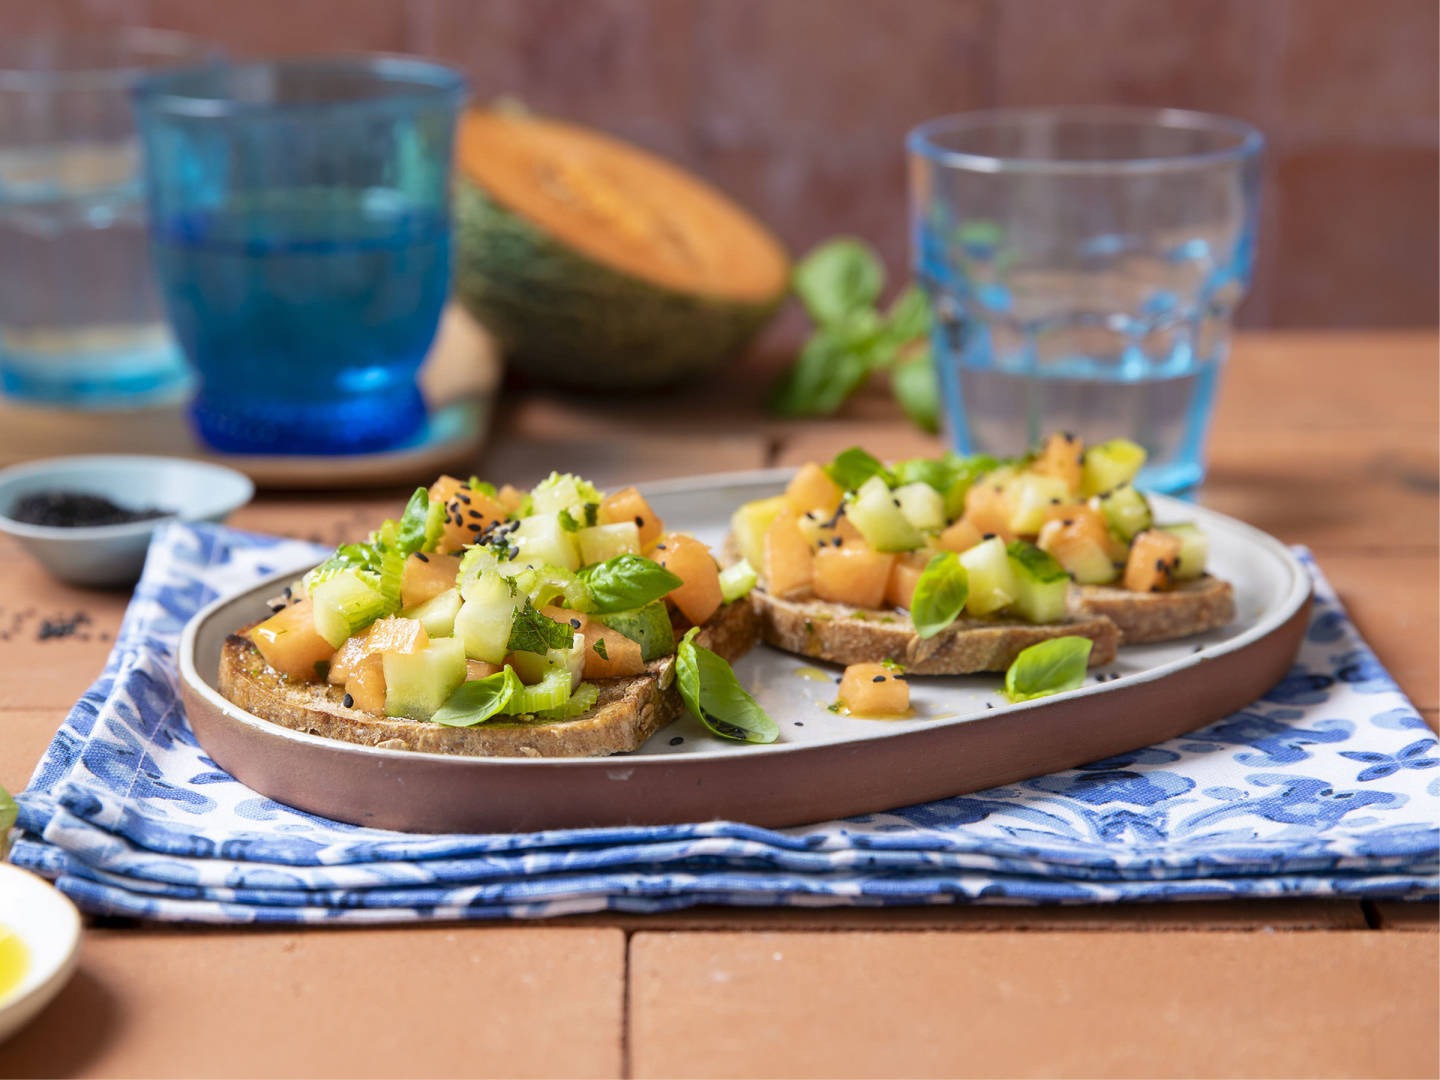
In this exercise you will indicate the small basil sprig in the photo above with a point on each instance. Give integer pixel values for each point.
(840, 283)
(480, 699)
(940, 594)
(852, 467)
(715, 697)
(1048, 668)
(625, 582)
(535, 633)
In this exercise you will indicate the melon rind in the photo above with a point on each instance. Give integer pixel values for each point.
(564, 318)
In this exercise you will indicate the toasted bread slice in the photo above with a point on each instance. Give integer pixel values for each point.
(628, 711)
(846, 635)
(1192, 607)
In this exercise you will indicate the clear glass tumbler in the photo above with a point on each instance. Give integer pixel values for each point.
(300, 225)
(80, 319)
(1084, 265)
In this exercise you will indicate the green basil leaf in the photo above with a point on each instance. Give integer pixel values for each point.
(1048, 668)
(940, 594)
(854, 466)
(482, 486)
(917, 389)
(715, 697)
(936, 473)
(834, 363)
(908, 317)
(411, 532)
(838, 277)
(480, 699)
(536, 633)
(626, 581)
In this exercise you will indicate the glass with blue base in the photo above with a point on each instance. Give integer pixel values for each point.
(300, 228)
(1084, 265)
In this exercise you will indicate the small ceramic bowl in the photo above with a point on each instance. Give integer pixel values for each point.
(47, 927)
(112, 555)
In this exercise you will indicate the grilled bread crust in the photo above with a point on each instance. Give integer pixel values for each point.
(843, 634)
(1192, 607)
(628, 711)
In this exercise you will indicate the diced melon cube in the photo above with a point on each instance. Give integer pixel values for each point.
(1063, 458)
(475, 670)
(1076, 546)
(959, 536)
(853, 574)
(427, 575)
(922, 505)
(510, 497)
(576, 619)
(874, 690)
(1154, 557)
(699, 596)
(616, 655)
(812, 489)
(629, 505)
(601, 542)
(987, 509)
(992, 582)
(290, 643)
(787, 558)
(877, 514)
(904, 575)
(749, 523)
(366, 685)
(543, 541)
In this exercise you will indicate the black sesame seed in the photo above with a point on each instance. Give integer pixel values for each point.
(575, 623)
(474, 514)
(902, 678)
(639, 522)
(987, 536)
(1079, 459)
(462, 497)
(878, 678)
(988, 705)
(999, 488)
(895, 501)
(422, 556)
(476, 528)
(348, 701)
(659, 547)
(839, 540)
(287, 592)
(1198, 648)
(677, 740)
(1159, 564)
(1067, 522)
(1054, 502)
(799, 723)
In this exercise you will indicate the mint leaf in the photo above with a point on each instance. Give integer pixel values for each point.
(535, 633)
(854, 466)
(1048, 668)
(838, 277)
(480, 699)
(715, 697)
(940, 594)
(626, 581)
(600, 649)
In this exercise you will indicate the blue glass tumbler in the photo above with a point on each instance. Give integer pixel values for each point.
(300, 230)
(1084, 265)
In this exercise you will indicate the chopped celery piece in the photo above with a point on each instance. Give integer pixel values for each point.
(344, 605)
(736, 580)
(582, 700)
(551, 692)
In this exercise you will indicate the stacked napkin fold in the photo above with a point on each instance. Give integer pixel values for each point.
(1326, 787)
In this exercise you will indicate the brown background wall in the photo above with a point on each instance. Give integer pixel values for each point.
(798, 107)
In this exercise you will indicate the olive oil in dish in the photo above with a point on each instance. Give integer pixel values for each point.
(14, 960)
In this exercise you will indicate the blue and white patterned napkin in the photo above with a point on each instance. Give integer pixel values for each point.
(1326, 787)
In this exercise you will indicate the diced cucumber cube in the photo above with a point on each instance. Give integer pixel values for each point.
(1127, 512)
(543, 541)
(877, 514)
(737, 579)
(1109, 465)
(647, 626)
(534, 667)
(475, 562)
(344, 605)
(417, 684)
(749, 524)
(1030, 496)
(484, 620)
(1194, 550)
(601, 542)
(1042, 583)
(437, 614)
(922, 505)
(992, 581)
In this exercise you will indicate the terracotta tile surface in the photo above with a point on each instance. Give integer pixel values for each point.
(1399, 915)
(1121, 1004)
(1198, 916)
(447, 1001)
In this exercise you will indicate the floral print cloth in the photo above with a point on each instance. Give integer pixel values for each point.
(1328, 786)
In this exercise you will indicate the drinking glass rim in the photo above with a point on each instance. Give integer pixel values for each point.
(427, 79)
(182, 48)
(1249, 140)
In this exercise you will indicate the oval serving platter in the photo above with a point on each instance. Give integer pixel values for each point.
(962, 737)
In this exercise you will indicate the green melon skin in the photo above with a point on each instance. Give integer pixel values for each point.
(565, 319)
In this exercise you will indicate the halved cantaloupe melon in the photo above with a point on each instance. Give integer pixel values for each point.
(598, 264)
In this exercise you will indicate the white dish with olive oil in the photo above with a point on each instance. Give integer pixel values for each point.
(39, 945)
